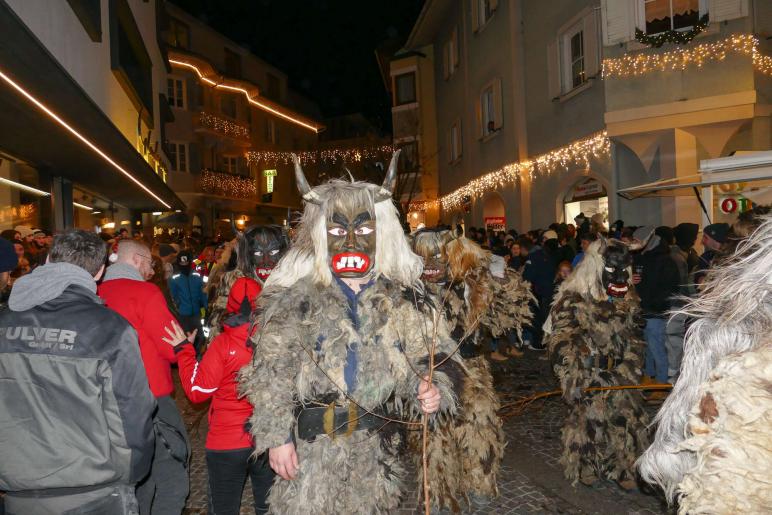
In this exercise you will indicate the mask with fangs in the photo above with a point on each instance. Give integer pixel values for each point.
(260, 248)
(616, 264)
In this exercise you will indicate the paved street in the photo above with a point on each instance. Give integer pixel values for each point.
(531, 479)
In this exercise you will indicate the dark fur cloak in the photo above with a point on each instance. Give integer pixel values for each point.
(599, 343)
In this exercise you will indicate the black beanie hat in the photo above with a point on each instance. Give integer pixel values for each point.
(686, 234)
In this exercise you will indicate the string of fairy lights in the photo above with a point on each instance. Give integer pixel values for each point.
(228, 185)
(223, 126)
(331, 155)
(581, 153)
(683, 58)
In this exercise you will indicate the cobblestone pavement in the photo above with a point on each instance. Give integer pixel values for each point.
(531, 480)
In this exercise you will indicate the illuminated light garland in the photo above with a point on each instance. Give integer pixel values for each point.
(223, 126)
(250, 98)
(227, 185)
(332, 155)
(579, 152)
(682, 58)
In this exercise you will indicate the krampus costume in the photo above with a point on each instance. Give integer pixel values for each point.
(258, 250)
(713, 446)
(333, 366)
(465, 453)
(595, 339)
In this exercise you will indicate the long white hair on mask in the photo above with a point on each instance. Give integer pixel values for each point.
(308, 257)
(733, 314)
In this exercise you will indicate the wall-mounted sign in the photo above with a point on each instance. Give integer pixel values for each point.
(497, 223)
(269, 175)
(586, 190)
(729, 205)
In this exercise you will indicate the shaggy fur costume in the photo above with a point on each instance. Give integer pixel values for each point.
(727, 346)
(597, 342)
(730, 433)
(301, 352)
(465, 455)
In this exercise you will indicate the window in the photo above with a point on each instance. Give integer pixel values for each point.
(450, 53)
(574, 56)
(490, 112)
(228, 105)
(572, 50)
(408, 158)
(404, 89)
(129, 59)
(482, 12)
(230, 164)
(178, 155)
(232, 64)
(454, 141)
(270, 131)
(273, 88)
(665, 15)
(89, 12)
(175, 93)
(179, 34)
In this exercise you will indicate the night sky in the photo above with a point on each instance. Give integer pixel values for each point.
(326, 47)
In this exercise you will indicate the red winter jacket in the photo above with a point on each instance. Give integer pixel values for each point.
(215, 377)
(144, 306)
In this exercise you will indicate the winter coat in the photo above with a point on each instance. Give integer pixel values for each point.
(76, 407)
(188, 293)
(540, 272)
(214, 377)
(144, 306)
(660, 281)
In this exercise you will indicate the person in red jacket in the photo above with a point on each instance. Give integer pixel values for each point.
(229, 445)
(126, 291)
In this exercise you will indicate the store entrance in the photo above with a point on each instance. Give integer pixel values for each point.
(588, 196)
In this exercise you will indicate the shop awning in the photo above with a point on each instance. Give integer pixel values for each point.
(28, 132)
(752, 168)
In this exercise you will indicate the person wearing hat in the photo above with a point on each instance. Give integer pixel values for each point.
(229, 445)
(187, 289)
(685, 257)
(714, 236)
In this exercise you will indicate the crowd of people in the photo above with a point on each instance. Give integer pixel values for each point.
(94, 325)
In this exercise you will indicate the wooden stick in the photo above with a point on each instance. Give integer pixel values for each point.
(425, 429)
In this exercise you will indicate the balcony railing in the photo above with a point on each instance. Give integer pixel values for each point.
(223, 126)
(228, 184)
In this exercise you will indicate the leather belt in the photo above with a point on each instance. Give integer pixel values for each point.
(336, 421)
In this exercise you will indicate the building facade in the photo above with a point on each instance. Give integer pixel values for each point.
(233, 113)
(539, 114)
(82, 107)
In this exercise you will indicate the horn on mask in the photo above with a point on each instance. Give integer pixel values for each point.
(390, 182)
(305, 190)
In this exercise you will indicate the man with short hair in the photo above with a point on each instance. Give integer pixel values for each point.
(76, 422)
(125, 289)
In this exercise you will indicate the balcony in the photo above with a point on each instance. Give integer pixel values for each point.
(228, 184)
(221, 126)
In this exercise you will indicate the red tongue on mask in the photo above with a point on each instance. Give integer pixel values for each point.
(617, 290)
(263, 272)
(350, 262)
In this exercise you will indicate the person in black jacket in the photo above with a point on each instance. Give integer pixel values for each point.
(77, 409)
(656, 280)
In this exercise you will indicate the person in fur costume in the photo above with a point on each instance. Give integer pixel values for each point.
(713, 446)
(343, 354)
(258, 249)
(465, 454)
(595, 340)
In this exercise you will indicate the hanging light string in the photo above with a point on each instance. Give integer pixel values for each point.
(228, 185)
(631, 65)
(580, 152)
(332, 155)
(223, 125)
